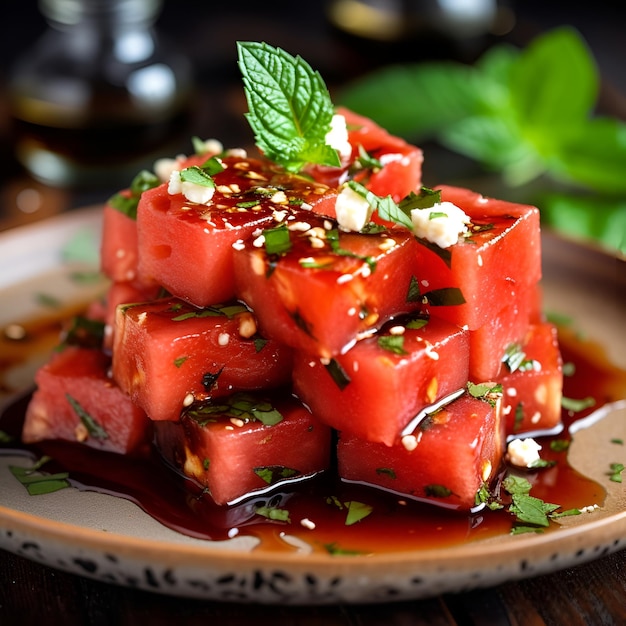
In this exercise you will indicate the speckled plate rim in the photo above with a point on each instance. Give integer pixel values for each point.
(205, 571)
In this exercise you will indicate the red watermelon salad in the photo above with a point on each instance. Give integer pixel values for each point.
(313, 308)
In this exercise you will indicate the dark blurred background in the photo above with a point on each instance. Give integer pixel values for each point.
(340, 38)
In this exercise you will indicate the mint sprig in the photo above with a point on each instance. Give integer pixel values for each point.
(524, 114)
(290, 109)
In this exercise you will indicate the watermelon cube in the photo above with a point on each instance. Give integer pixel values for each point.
(245, 444)
(328, 285)
(123, 293)
(489, 343)
(445, 461)
(470, 282)
(118, 249)
(376, 388)
(77, 401)
(532, 392)
(167, 353)
(187, 247)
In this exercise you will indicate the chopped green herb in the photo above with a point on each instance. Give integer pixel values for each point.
(273, 513)
(515, 359)
(277, 240)
(386, 471)
(357, 511)
(571, 404)
(180, 360)
(259, 343)
(618, 441)
(338, 374)
(127, 202)
(559, 445)
(386, 208)
(437, 491)
(93, 427)
(37, 483)
(446, 296)
(392, 343)
(414, 293)
(335, 550)
(615, 475)
(273, 474)
(197, 176)
(241, 405)
(484, 391)
(5, 437)
(47, 300)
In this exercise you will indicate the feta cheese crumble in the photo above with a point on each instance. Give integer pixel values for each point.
(200, 194)
(337, 137)
(440, 224)
(523, 452)
(352, 209)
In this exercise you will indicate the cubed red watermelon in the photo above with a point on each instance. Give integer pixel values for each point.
(445, 461)
(470, 282)
(328, 285)
(77, 401)
(376, 388)
(532, 392)
(167, 353)
(245, 443)
(489, 343)
(187, 247)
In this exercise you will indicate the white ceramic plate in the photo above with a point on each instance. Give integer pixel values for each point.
(112, 540)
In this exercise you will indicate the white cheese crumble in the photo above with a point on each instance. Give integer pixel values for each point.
(440, 224)
(164, 167)
(337, 137)
(307, 523)
(523, 452)
(352, 209)
(200, 194)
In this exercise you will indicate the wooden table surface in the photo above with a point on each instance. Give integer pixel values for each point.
(31, 593)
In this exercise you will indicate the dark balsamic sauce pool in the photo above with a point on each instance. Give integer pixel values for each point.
(395, 524)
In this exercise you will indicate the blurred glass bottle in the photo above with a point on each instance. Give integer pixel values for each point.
(99, 96)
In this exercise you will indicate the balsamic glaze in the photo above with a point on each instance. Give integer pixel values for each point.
(395, 523)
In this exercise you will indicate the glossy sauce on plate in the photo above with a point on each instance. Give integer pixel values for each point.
(395, 523)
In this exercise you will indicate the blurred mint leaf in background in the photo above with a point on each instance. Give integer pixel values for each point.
(526, 115)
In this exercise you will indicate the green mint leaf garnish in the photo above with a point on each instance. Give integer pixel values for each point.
(615, 475)
(386, 208)
(290, 109)
(277, 240)
(273, 474)
(356, 512)
(197, 176)
(392, 343)
(273, 513)
(93, 427)
(126, 203)
(37, 483)
(571, 404)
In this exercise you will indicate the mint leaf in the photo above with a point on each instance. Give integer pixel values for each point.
(554, 85)
(290, 109)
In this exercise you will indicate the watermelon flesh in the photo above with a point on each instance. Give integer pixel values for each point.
(375, 389)
(469, 283)
(445, 461)
(532, 393)
(323, 292)
(167, 354)
(228, 449)
(77, 401)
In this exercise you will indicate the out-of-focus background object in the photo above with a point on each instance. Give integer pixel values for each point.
(121, 105)
(98, 95)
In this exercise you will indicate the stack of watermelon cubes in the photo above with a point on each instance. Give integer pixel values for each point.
(255, 342)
